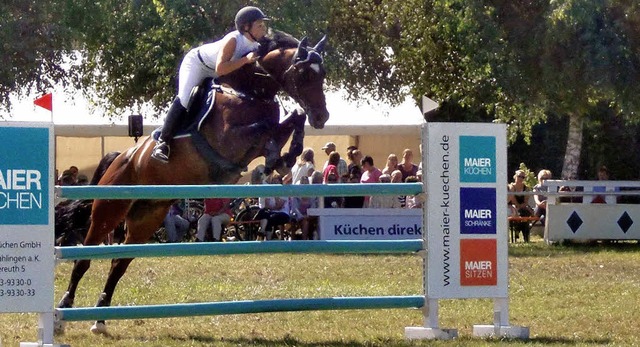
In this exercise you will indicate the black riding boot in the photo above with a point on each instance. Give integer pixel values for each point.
(174, 116)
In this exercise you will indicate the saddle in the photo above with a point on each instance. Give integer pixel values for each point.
(200, 105)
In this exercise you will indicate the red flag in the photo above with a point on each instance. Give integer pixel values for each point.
(45, 101)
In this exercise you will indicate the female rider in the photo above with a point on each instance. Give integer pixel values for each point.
(212, 60)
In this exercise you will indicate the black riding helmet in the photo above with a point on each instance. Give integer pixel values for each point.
(248, 15)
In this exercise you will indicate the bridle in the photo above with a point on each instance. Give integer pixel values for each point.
(287, 77)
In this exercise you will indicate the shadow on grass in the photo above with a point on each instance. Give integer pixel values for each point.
(549, 340)
(462, 341)
(291, 341)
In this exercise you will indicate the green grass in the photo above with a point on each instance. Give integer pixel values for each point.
(567, 295)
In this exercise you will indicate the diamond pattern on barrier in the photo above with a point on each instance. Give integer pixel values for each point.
(625, 222)
(574, 222)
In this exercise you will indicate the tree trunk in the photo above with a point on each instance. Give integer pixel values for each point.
(574, 147)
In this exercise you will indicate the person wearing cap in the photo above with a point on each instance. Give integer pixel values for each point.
(219, 58)
(342, 167)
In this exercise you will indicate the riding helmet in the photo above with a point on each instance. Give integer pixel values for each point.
(248, 15)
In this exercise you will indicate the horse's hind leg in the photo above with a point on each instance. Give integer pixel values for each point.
(143, 220)
(106, 215)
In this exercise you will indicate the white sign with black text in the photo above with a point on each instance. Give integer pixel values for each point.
(368, 223)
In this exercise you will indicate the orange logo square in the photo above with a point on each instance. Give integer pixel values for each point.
(478, 262)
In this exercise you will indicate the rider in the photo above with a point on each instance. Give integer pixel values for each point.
(212, 60)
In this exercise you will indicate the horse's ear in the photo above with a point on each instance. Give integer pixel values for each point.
(320, 45)
(303, 43)
(302, 52)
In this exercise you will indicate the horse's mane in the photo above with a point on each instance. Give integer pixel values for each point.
(276, 39)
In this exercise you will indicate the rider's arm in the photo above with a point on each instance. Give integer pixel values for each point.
(225, 65)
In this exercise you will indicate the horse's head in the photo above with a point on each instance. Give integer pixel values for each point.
(301, 74)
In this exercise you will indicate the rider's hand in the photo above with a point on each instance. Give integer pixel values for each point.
(252, 57)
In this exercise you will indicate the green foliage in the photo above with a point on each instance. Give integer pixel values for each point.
(34, 47)
(510, 61)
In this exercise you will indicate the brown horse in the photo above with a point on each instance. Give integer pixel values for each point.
(242, 125)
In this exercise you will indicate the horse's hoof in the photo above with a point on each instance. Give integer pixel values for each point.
(58, 327)
(99, 328)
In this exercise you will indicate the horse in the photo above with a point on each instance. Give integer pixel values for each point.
(242, 124)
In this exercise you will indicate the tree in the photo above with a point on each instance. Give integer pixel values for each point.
(516, 61)
(34, 47)
(591, 55)
(131, 50)
(511, 61)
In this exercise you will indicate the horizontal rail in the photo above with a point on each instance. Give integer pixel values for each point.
(579, 193)
(245, 247)
(237, 307)
(161, 192)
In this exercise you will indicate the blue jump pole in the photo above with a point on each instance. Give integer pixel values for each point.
(237, 307)
(235, 191)
(246, 247)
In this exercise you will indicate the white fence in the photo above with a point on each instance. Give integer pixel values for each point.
(592, 210)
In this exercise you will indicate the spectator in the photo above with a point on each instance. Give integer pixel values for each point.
(353, 177)
(274, 211)
(304, 167)
(370, 174)
(384, 201)
(74, 172)
(540, 209)
(299, 211)
(174, 224)
(316, 177)
(83, 180)
(354, 155)
(414, 201)
(396, 177)
(332, 167)
(407, 167)
(569, 189)
(332, 201)
(518, 204)
(603, 175)
(217, 214)
(341, 165)
(392, 164)
(67, 179)
(257, 175)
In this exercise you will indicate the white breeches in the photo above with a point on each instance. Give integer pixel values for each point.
(192, 73)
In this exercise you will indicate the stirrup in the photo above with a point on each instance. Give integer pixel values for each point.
(161, 152)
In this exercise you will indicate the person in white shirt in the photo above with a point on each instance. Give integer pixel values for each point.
(219, 58)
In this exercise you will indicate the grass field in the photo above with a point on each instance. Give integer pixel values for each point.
(584, 295)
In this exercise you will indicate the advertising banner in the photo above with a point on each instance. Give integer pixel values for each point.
(466, 210)
(26, 217)
(368, 223)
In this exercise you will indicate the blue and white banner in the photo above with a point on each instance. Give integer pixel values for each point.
(465, 219)
(26, 217)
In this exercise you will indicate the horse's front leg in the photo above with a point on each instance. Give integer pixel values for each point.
(143, 219)
(294, 124)
(106, 214)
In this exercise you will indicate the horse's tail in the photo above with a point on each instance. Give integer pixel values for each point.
(103, 165)
(72, 217)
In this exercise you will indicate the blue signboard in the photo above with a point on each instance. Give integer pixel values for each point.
(478, 159)
(24, 176)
